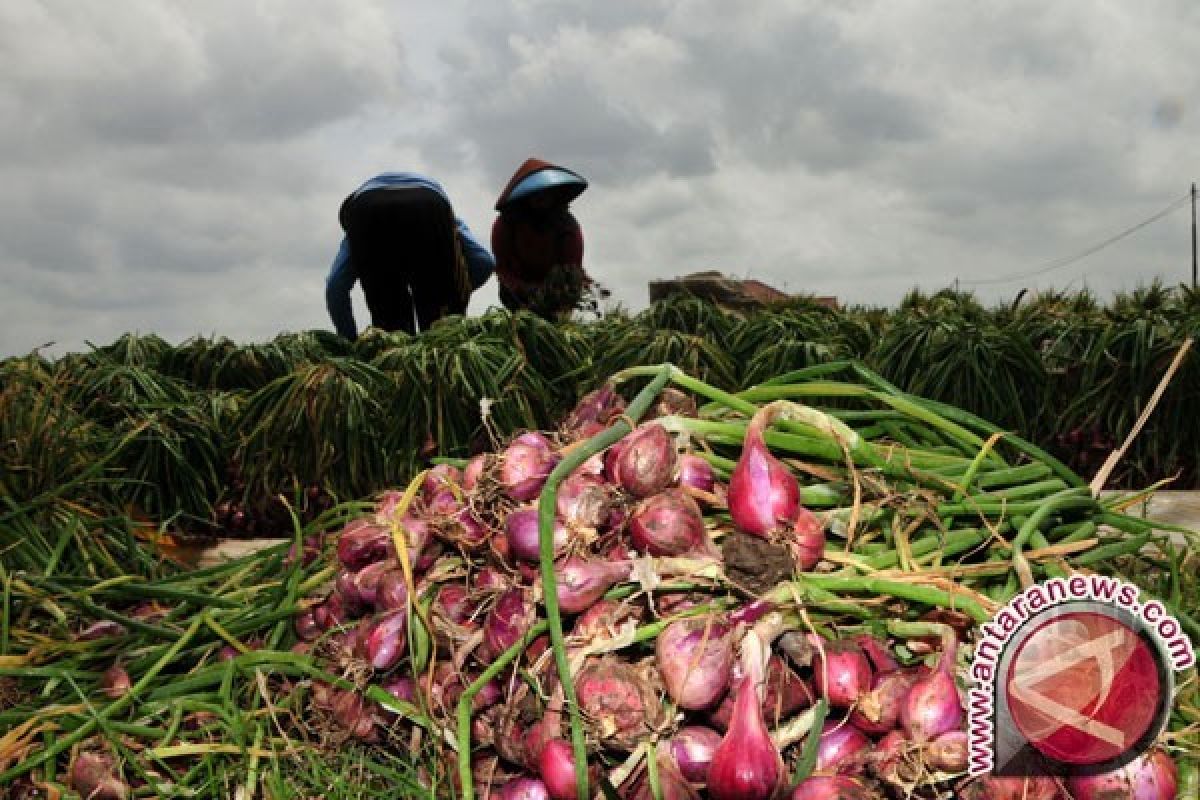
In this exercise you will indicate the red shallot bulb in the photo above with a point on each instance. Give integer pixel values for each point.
(671, 784)
(362, 542)
(667, 524)
(593, 411)
(605, 619)
(524, 467)
(366, 582)
(878, 710)
(672, 402)
(1150, 776)
(746, 765)
(695, 657)
(842, 675)
(645, 464)
(473, 472)
(585, 500)
(114, 682)
(534, 439)
(306, 625)
(696, 473)
(386, 640)
(490, 579)
(692, 748)
(581, 582)
(521, 530)
(441, 476)
(92, 775)
(507, 622)
(620, 701)
(391, 594)
(556, 766)
(784, 693)
(890, 760)
(763, 493)
(932, 706)
(879, 654)
(807, 541)
(841, 748)
(454, 602)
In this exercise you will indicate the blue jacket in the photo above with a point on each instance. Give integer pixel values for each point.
(342, 277)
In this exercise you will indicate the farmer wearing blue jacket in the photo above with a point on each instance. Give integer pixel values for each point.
(409, 250)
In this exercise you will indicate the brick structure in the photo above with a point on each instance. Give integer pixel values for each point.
(725, 291)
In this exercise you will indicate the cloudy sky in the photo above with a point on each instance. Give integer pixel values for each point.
(176, 166)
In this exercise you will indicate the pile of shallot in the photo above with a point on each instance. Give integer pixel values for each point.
(688, 685)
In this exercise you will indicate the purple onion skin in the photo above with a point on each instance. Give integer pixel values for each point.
(524, 789)
(392, 591)
(667, 524)
(581, 583)
(453, 600)
(401, 687)
(808, 539)
(524, 468)
(362, 542)
(695, 658)
(387, 640)
(593, 411)
(932, 706)
(1150, 776)
(671, 783)
(878, 710)
(829, 787)
(366, 581)
(507, 622)
(880, 656)
(91, 775)
(439, 478)
(842, 675)
(473, 472)
(521, 530)
(692, 748)
(306, 626)
(763, 493)
(585, 499)
(534, 439)
(556, 765)
(746, 765)
(645, 464)
(696, 473)
(842, 748)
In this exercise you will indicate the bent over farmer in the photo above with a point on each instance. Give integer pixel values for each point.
(537, 240)
(410, 252)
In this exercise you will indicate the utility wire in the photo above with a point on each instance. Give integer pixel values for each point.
(1059, 263)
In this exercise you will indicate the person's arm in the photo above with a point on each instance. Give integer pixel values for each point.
(480, 264)
(337, 293)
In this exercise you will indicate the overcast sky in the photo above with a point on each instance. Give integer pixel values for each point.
(176, 167)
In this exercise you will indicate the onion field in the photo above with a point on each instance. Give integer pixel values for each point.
(687, 553)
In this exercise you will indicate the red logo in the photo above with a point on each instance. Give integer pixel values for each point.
(1083, 688)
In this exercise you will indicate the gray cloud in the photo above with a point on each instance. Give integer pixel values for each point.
(177, 167)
